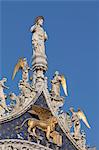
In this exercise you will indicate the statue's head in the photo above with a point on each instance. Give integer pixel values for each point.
(12, 96)
(24, 59)
(56, 73)
(71, 109)
(79, 109)
(39, 20)
(5, 79)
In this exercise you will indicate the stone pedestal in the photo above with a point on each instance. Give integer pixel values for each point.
(39, 67)
(40, 62)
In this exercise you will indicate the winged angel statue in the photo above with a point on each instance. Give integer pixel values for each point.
(27, 92)
(76, 117)
(21, 64)
(57, 81)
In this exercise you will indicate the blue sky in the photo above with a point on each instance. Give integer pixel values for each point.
(72, 49)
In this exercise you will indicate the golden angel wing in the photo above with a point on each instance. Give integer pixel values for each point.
(63, 82)
(82, 116)
(41, 112)
(20, 64)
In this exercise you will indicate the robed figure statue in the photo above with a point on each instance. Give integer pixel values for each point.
(39, 36)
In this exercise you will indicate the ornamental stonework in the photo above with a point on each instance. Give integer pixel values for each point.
(34, 119)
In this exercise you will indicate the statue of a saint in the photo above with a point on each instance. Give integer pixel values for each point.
(2, 95)
(39, 36)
